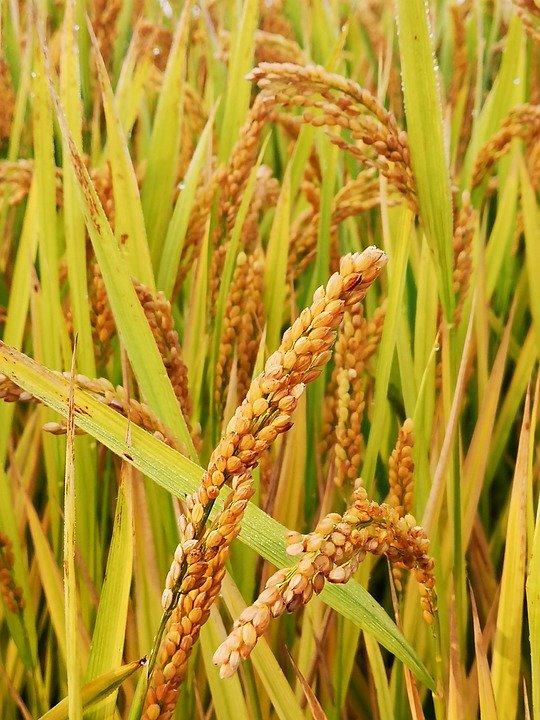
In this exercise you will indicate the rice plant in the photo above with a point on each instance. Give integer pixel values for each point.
(269, 360)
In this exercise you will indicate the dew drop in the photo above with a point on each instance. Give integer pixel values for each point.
(156, 51)
(516, 81)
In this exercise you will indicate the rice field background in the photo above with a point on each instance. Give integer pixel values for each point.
(270, 316)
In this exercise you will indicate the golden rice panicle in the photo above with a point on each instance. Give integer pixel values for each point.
(200, 568)
(401, 470)
(252, 322)
(273, 395)
(357, 341)
(459, 11)
(265, 413)
(523, 121)
(332, 552)
(330, 100)
(101, 316)
(401, 479)
(8, 99)
(243, 320)
(204, 196)
(234, 180)
(232, 319)
(265, 195)
(464, 228)
(242, 159)
(11, 594)
(158, 312)
(104, 391)
(303, 242)
(404, 543)
(350, 399)
(356, 196)
(269, 47)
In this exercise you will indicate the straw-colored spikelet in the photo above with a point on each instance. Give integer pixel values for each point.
(332, 552)
(265, 195)
(8, 99)
(523, 121)
(360, 341)
(232, 319)
(11, 594)
(198, 565)
(329, 100)
(401, 470)
(303, 241)
(401, 479)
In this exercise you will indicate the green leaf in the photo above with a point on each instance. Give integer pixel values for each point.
(238, 88)
(110, 628)
(164, 146)
(70, 582)
(423, 112)
(506, 663)
(129, 219)
(97, 690)
(176, 232)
